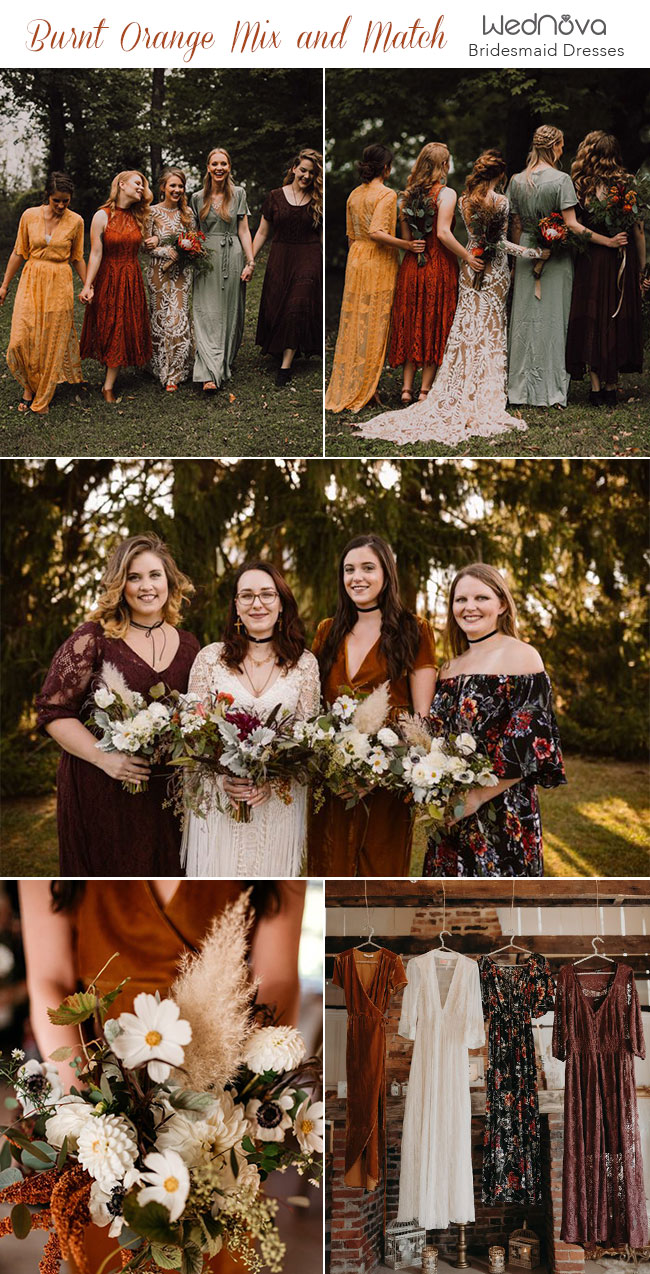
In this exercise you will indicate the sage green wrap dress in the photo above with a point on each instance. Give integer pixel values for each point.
(219, 297)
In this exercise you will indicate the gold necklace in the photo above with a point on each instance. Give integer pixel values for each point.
(258, 691)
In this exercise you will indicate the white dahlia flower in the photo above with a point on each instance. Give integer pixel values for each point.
(274, 1048)
(465, 744)
(107, 1148)
(168, 1182)
(153, 1036)
(203, 1135)
(67, 1120)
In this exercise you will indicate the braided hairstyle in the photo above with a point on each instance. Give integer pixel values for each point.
(489, 165)
(545, 140)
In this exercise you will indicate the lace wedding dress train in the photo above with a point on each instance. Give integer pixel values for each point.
(468, 396)
(273, 842)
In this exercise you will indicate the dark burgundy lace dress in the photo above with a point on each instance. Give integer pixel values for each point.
(598, 1032)
(291, 308)
(103, 830)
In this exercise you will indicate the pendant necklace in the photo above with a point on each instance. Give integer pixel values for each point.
(258, 692)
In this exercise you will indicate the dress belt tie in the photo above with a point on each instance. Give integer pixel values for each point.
(227, 241)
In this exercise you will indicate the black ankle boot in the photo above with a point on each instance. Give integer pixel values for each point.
(595, 398)
(283, 377)
(610, 397)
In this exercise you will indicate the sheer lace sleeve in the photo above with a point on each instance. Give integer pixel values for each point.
(349, 222)
(163, 250)
(65, 688)
(202, 680)
(516, 250)
(309, 696)
(409, 1015)
(635, 1022)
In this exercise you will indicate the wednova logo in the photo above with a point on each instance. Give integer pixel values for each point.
(544, 24)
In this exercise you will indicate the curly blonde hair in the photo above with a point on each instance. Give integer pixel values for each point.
(183, 207)
(489, 166)
(545, 140)
(139, 210)
(455, 640)
(429, 168)
(112, 611)
(315, 158)
(228, 188)
(598, 162)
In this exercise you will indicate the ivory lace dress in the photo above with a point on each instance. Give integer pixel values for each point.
(468, 396)
(442, 1012)
(170, 286)
(273, 842)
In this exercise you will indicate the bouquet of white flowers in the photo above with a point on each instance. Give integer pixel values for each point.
(183, 1109)
(352, 748)
(438, 772)
(127, 723)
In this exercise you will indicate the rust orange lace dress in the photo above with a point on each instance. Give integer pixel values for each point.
(598, 1032)
(43, 346)
(368, 980)
(370, 278)
(116, 328)
(425, 301)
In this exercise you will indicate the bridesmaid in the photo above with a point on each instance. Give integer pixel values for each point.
(116, 328)
(494, 687)
(169, 283)
(291, 308)
(537, 372)
(596, 339)
(370, 276)
(219, 298)
(132, 634)
(426, 294)
(43, 346)
(371, 639)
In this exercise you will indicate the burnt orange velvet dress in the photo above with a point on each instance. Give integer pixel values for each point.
(374, 838)
(125, 916)
(369, 980)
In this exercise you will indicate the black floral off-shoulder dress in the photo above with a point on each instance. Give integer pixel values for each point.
(512, 718)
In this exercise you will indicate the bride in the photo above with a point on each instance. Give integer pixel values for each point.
(261, 662)
(468, 396)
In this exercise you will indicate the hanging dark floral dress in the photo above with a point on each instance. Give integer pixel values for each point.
(598, 1032)
(512, 719)
(512, 996)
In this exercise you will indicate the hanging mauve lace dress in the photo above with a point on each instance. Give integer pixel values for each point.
(598, 1032)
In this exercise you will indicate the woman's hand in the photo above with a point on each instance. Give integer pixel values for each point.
(87, 293)
(414, 245)
(247, 273)
(245, 790)
(124, 768)
(474, 263)
(619, 240)
(4, 288)
(152, 241)
(476, 796)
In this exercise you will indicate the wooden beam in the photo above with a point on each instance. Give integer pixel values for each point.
(570, 945)
(548, 892)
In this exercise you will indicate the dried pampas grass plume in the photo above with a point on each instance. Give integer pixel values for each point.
(112, 678)
(414, 730)
(214, 992)
(372, 712)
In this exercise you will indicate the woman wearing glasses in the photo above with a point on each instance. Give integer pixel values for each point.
(262, 662)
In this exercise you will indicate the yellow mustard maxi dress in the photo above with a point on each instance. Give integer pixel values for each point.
(43, 346)
(370, 279)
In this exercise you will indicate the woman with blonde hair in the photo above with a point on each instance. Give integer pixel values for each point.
(370, 277)
(537, 371)
(169, 283)
(43, 346)
(130, 643)
(427, 284)
(116, 328)
(605, 324)
(468, 397)
(219, 297)
(291, 307)
(493, 686)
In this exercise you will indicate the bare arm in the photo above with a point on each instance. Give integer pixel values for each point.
(570, 220)
(97, 227)
(80, 268)
(446, 205)
(74, 738)
(47, 938)
(262, 234)
(244, 233)
(13, 265)
(391, 241)
(274, 953)
(422, 684)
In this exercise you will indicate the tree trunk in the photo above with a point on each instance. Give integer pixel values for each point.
(157, 103)
(56, 121)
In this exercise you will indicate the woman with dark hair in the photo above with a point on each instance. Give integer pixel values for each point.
(219, 298)
(469, 393)
(262, 662)
(370, 277)
(131, 642)
(291, 307)
(494, 687)
(73, 929)
(116, 330)
(43, 346)
(605, 331)
(169, 283)
(371, 639)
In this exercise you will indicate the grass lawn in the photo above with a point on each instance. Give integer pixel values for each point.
(598, 825)
(247, 417)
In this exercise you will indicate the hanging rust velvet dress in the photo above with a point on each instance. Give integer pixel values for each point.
(116, 328)
(425, 301)
(598, 1032)
(369, 981)
(374, 838)
(103, 830)
(150, 937)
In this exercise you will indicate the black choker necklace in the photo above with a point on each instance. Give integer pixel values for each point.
(473, 641)
(365, 610)
(259, 641)
(147, 628)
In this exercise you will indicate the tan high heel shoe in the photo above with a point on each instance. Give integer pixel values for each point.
(108, 396)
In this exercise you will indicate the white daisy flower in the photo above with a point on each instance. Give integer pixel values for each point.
(107, 1148)
(37, 1086)
(168, 1182)
(17, 1054)
(270, 1119)
(67, 1120)
(308, 1126)
(274, 1048)
(152, 1036)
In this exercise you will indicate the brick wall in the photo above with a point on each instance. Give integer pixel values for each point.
(357, 1216)
(563, 1258)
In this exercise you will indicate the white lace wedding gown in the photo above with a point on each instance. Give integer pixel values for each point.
(468, 396)
(442, 1012)
(273, 842)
